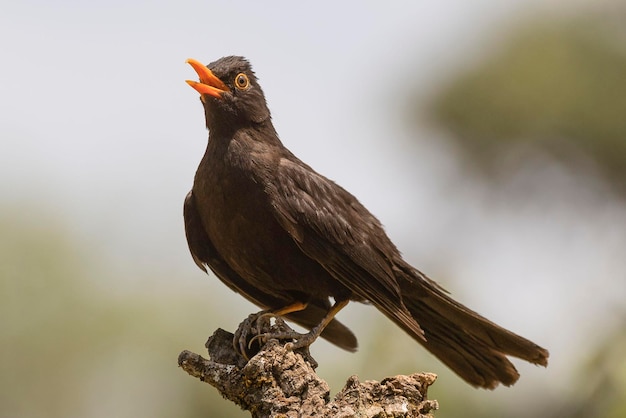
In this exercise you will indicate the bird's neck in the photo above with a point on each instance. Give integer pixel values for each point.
(264, 131)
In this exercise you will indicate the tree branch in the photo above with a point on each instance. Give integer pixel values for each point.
(278, 382)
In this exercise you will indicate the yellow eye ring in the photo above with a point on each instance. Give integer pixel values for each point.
(241, 81)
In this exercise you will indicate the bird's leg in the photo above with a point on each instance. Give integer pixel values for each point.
(277, 313)
(282, 330)
(305, 340)
(260, 322)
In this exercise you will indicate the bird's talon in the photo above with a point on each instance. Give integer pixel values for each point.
(255, 338)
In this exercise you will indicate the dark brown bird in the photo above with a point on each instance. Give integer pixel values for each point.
(288, 239)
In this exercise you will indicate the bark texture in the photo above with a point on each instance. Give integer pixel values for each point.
(277, 382)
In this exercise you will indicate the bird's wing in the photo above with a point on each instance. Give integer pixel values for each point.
(205, 254)
(332, 227)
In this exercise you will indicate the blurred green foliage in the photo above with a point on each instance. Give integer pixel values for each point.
(557, 85)
(555, 88)
(78, 342)
(605, 377)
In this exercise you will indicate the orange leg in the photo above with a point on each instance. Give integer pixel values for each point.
(294, 307)
(304, 340)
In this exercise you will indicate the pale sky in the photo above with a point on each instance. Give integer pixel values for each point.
(99, 124)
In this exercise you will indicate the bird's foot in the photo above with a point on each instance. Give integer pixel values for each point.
(299, 340)
(285, 333)
(296, 341)
(254, 325)
(257, 329)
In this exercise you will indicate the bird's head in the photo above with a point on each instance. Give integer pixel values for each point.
(230, 92)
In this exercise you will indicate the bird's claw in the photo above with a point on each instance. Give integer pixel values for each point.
(263, 325)
(257, 329)
(281, 336)
(247, 332)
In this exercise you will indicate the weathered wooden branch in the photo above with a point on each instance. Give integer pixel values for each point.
(277, 382)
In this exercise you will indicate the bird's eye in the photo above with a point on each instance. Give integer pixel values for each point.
(241, 81)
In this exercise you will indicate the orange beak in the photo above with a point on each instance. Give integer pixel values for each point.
(209, 83)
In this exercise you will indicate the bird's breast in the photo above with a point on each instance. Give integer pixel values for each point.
(237, 215)
(235, 210)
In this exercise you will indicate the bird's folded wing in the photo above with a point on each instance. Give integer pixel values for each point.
(332, 227)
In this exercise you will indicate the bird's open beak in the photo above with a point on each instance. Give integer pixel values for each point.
(209, 83)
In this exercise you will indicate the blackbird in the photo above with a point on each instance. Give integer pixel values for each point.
(288, 239)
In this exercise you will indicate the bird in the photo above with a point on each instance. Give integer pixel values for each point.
(290, 240)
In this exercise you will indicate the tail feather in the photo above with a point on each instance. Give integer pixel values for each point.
(471, 345)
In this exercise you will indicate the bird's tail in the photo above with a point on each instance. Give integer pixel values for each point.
(471, 345)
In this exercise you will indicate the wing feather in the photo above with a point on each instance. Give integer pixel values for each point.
(332, 227)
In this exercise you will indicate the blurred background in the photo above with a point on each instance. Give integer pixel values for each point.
(489, 138)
